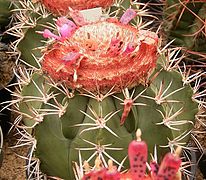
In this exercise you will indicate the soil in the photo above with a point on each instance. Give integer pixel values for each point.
(13, 167)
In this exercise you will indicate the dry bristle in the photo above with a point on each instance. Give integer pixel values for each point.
(110, 163)
(98, 163)
(178, 151)
(138, 134)
(86, 167)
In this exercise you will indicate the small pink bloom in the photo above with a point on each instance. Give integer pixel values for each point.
(65, 31)
(48, 34)
(65, 27)
(128, 16)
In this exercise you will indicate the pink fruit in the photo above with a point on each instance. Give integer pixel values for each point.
(169, 167)
(137, 152)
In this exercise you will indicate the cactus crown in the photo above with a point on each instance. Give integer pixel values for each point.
(92, 84)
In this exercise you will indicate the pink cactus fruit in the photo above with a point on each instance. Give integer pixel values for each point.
(138, 157)
(102, 55)
(61, 7)
(97, 173)
(169, 167)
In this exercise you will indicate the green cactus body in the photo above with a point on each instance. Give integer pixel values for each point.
(87, 121)
(66, 121)
(31, 52)
(30, 19)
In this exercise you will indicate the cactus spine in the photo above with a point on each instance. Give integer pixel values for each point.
(69, 109)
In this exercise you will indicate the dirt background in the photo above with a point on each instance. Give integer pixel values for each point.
(13, 167)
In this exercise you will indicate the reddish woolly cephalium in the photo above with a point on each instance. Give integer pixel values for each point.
(102, 55)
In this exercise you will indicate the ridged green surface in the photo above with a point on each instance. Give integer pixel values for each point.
(33, 91)
(29, 45)
(58, 139)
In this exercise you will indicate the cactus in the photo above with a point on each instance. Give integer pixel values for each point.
(28, 18)
(65, 123)
(93, 84)
(181, 15)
